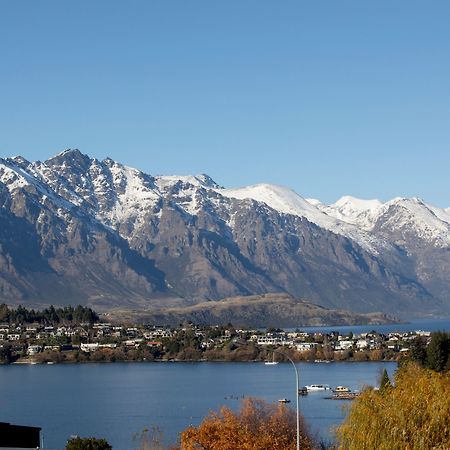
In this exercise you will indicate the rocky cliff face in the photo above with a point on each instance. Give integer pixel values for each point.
(75, 229)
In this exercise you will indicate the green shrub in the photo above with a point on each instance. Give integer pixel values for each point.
(87, 444)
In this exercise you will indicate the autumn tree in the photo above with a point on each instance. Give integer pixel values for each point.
(258, 425)
(414, 413)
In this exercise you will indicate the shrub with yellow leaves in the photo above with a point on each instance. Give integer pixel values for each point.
(412, 414)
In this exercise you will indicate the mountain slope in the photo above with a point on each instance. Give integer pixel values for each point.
(279, 310)
(74, 228)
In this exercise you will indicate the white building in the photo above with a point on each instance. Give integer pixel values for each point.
(89, 347)
(33, 349)
(362, 344)
(343, 345)
(305, 346)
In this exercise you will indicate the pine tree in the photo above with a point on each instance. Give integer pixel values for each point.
(418, 351)
(438, 351)
(385, 382)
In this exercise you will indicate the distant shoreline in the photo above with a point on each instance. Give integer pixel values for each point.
(23, 362)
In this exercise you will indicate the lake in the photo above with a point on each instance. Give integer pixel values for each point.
(442, 324)
(119, 400)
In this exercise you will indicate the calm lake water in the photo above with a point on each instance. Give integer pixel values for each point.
(116, 401)
(442, 324)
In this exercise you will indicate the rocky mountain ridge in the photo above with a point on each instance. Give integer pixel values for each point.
(74, 228)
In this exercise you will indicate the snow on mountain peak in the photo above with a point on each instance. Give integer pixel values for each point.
(314, 201)
(428, 222)
(69, 151)
(12, 175)
(285, 200)
(165, 182)
(357, 203)
(280, 198)
(115, 193)
(355, 211)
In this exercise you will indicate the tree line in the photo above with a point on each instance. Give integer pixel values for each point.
(48, 316)
(435, 355)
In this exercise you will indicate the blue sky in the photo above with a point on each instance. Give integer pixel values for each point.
(327, 97)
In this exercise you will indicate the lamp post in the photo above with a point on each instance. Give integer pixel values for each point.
(296, 396)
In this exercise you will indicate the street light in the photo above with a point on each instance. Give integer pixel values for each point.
(296, 396)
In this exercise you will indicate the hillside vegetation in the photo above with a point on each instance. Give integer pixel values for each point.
(281, 310)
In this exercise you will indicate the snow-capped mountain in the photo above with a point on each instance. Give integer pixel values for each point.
(286, 201)
(74, 228)
(427, 222)
(354, 211)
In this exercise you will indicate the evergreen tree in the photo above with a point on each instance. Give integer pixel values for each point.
(385, 382)
(49, 316)
(5, 354)
(438, 351)
(418, 351)
(87, 444)
(4, 313)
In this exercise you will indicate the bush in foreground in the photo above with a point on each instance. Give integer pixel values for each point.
(414, 414)
(258, 425)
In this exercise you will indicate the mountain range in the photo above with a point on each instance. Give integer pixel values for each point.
(74, 229)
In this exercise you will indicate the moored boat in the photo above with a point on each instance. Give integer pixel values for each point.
(345, 395)
(317, 387)
(339, 389)
(303, 391)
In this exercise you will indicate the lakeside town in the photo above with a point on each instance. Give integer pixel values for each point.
(63, 336)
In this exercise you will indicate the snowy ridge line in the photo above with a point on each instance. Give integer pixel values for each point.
(287, 201)
(15, 177)
(353, 217)
(114, 194)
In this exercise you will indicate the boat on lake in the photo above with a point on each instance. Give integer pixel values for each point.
(344, 396)
(317, 387)
(303, 391)
(284, 400)
(339, 389)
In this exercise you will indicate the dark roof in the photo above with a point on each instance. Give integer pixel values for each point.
(19, 436)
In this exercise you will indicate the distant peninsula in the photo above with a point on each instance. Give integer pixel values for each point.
(260, 311)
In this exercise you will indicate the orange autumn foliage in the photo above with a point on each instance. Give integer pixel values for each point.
(258, 425)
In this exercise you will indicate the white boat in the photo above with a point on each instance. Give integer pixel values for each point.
(341, 389)
(273, 362)
(317, 387)
(284, 400)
